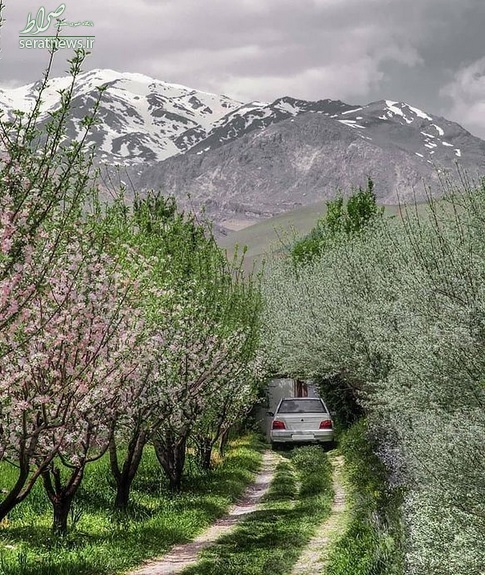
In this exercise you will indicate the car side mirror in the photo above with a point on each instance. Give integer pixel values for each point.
(270, 413)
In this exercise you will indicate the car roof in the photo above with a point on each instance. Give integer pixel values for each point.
(301, 398)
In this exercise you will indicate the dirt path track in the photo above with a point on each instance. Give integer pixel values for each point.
(181, 556)
(313, 559)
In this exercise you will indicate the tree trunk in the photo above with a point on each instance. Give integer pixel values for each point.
(61, 507)
(15, 495)
(204, 452)
(123, 490)
(61, 496)
(170, 451)
(124, 477)
(26, 479)
(223, 442)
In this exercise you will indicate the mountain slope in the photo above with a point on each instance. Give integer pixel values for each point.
(140, 119)
(307, 157)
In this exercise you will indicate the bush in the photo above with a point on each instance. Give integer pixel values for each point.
(372, 543)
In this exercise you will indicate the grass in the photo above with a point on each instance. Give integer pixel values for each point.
(371, 543)
(271, 540)
(274, 233)
(103, 543)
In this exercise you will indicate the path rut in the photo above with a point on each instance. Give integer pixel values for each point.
(313, 559)
(182, 556)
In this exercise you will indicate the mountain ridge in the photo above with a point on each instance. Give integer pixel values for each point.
(264, 170)
(141, 117)
(249, 161)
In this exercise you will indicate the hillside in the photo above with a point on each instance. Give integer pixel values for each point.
(275, 234)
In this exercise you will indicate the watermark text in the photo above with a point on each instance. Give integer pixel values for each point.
(33, 35)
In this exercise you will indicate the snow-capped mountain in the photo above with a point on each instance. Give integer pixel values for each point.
(257, 159)
(377, 117)
(140, 119)
(263, 161)
(431, 138)
(257, 115)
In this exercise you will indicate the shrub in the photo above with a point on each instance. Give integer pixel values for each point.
(372, 543)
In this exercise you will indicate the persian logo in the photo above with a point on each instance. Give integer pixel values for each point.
(32, 36)
(42, 21)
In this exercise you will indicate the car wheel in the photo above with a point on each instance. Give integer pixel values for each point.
(277, 446)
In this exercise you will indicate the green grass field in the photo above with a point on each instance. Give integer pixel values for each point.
(102, 543)
(279, 232)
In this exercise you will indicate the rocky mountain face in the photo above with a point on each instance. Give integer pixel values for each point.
(243, 162)
(271, 159)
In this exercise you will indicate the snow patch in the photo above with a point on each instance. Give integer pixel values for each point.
(458, 152)
(287, 107)
(419, 112)
(447, 144)
(351, 111)
(440, 131)
(393, 108)
(351, 124)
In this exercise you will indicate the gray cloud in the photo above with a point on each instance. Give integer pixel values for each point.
(420, 51)
(467, 94)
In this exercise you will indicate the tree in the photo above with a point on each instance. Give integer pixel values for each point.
(341, 221)
(44, 184)
(193, 309)
(225, 409)
(71, 353)
(197, 364)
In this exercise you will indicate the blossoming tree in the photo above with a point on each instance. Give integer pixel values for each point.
(70, 356)
(202, 321)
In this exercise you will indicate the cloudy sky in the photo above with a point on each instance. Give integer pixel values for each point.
(429, 53)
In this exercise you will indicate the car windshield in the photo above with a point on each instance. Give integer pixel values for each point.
(301, 406)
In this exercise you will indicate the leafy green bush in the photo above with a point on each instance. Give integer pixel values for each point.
(342, 220)
(341, 399)
(372, 542)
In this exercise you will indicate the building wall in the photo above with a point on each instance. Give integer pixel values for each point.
(278, 389)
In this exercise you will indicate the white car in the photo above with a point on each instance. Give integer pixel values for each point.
(300, 420)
